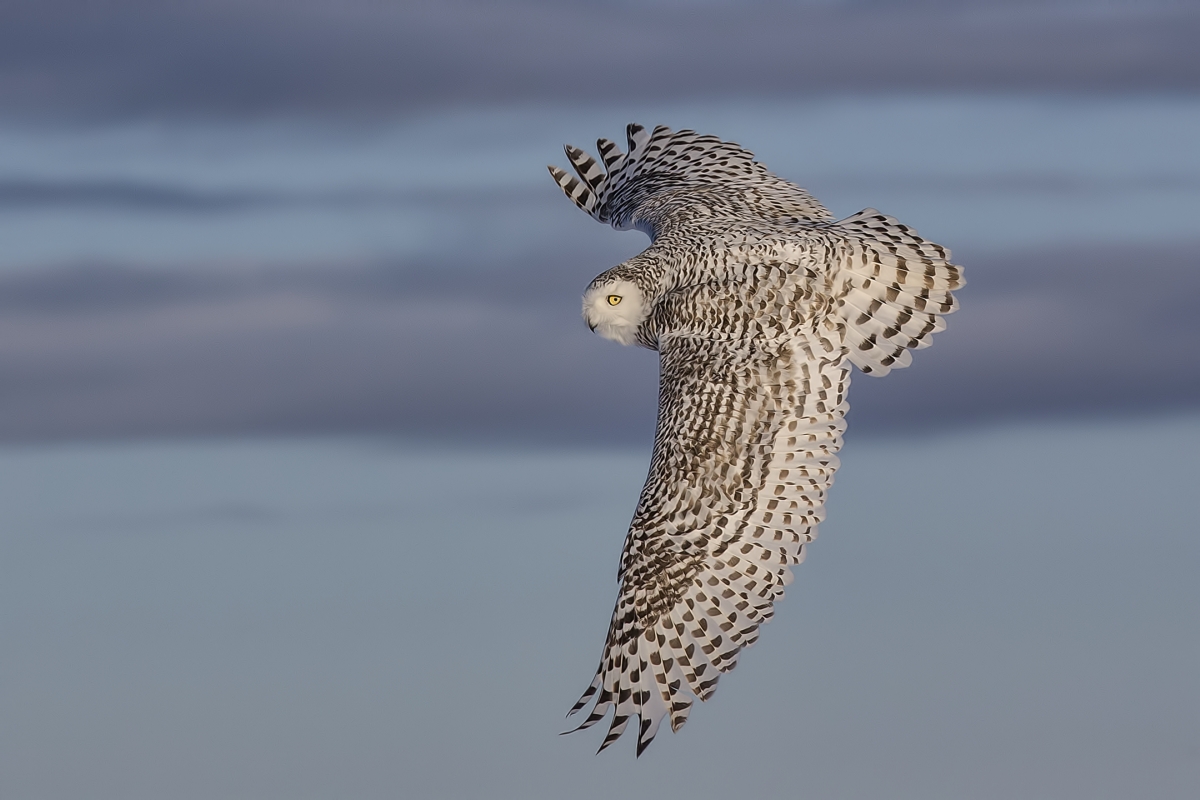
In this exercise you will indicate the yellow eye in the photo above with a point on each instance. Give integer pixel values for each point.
(613, 299)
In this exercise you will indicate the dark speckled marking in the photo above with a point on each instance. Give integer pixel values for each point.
(758, 303)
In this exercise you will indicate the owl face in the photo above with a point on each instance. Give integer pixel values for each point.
(614, 310)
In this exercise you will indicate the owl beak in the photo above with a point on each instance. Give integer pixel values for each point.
(591, 327)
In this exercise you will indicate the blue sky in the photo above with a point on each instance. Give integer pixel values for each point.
(999, 172)
(1008, 613)
(231, 219)
(172, 277)
(314, 482)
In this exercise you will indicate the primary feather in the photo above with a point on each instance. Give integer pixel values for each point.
(758, 303)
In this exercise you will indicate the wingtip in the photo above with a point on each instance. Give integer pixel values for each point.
(646, 731)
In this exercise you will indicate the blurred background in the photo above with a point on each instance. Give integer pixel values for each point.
(314, 483)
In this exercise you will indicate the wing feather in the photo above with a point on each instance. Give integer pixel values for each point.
(744, 454)
(762, 302)
(667, 171)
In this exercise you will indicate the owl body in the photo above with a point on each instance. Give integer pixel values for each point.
(772, 276)
(759, 303)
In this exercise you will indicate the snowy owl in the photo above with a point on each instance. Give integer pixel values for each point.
(758, 302)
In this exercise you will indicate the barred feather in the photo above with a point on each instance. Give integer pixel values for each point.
(675, 160)
(758, 303)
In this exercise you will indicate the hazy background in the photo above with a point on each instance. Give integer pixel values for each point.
(313, 482)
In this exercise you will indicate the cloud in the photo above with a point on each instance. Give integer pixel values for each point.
(447, 352)
(419, 352)
(248, 59)
(1062, 332)
(172, 197)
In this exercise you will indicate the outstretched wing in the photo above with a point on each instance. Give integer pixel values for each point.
(755, 367)
(668, 171)
(754, 377)
(750, 419)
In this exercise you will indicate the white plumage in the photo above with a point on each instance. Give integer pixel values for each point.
(758, 302)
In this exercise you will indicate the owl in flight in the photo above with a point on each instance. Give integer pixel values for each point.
(758, 302)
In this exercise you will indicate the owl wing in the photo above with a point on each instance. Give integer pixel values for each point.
(752, 401)
(666, 171)
(751, 404)
(750, 418)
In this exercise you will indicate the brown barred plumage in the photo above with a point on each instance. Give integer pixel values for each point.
(758, 302)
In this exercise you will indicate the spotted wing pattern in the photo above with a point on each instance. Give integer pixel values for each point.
(760, 303)
(750, 420)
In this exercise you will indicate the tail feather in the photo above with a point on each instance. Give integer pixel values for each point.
(895, 288)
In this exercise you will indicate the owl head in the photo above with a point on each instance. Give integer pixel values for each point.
(614, 309)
